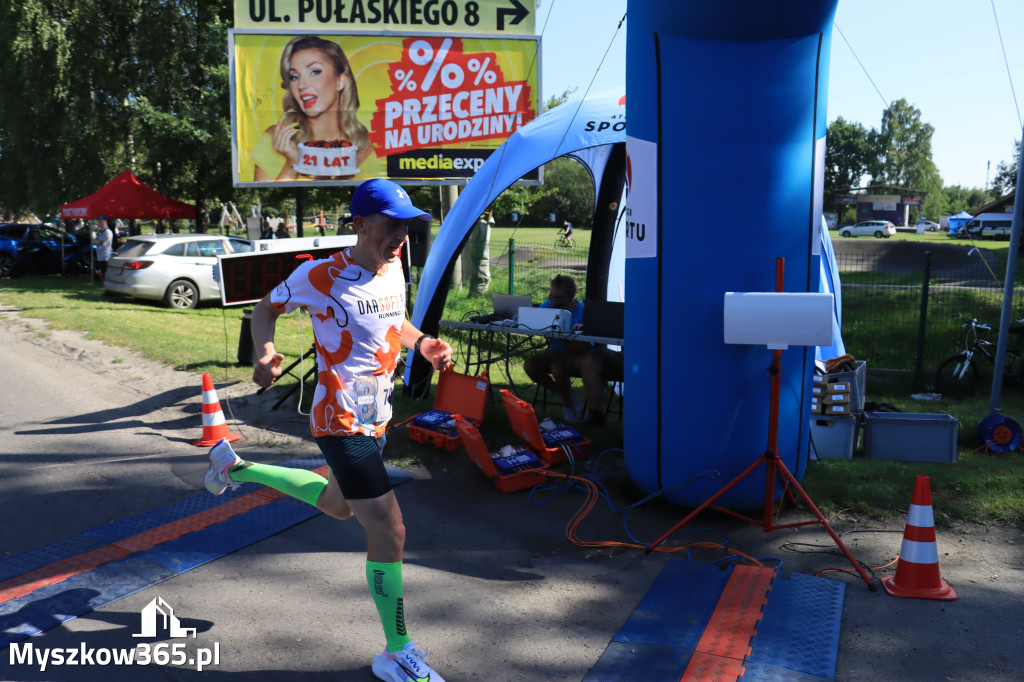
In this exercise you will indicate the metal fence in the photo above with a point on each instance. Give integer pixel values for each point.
(527, 269)
(903, 303)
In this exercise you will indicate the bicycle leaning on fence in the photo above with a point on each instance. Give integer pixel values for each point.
(958, 374)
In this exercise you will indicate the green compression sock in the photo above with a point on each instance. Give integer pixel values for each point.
(299, 483)
(385, 581)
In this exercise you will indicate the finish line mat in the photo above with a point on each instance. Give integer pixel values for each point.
(46, 586)
(698, 622)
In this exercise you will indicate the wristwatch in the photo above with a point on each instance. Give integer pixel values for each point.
(416, 347)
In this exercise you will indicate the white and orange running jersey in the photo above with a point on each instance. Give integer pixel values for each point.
(357, 323)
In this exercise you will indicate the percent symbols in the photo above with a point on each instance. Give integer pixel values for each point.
(422, 53)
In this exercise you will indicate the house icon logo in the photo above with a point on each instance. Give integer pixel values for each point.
(159, 607)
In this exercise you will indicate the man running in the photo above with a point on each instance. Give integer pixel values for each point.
(356, 301)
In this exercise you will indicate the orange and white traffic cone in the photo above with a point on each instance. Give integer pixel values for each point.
(917, 572)
(214, 425)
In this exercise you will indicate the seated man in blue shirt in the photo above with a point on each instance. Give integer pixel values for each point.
(553, 367)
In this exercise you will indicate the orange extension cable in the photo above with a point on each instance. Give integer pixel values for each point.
(588, 505)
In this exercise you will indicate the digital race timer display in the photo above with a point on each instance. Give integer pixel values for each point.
(248, 277)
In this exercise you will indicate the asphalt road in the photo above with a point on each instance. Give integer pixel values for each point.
(90, 434)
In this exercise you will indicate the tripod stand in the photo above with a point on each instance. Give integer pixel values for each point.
(302, 380)
(774, 467)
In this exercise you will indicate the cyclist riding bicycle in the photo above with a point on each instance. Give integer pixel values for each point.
(567, 232)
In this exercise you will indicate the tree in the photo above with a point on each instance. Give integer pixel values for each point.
(556, 100)
(519, 199)
(847, 154)
(56, 126)
(903, 150)
(181, 101)
(573, 198)
(963, 199)
(136, 84)
(1006, 174)
(934, 205)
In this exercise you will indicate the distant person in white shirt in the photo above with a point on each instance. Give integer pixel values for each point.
(104, 241)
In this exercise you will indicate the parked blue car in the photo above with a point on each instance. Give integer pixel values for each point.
(27, 248)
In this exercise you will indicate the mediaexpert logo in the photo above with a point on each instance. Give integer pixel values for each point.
(157, 618)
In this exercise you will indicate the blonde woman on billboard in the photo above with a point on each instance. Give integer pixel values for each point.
(320, 104)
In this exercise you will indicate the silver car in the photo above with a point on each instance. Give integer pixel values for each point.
(174, 268)
(869, 228)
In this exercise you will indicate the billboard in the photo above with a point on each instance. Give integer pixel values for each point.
(331, 108)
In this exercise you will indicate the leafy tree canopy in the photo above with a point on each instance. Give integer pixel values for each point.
(1006, 174)
(847, 154)
(903, 150)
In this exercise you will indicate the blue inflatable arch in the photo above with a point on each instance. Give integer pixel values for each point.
(726, 151)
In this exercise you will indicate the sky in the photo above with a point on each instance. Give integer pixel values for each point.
(942, 56)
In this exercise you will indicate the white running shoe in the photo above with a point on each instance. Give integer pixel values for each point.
(406, 665)
(222, 460)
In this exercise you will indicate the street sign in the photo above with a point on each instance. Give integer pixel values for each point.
(504, 17)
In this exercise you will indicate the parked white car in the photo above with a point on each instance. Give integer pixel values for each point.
(174, 268)
(869, 228)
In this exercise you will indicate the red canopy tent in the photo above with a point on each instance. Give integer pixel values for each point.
(126, 197)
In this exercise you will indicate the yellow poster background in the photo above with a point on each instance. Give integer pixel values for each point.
(258, 95)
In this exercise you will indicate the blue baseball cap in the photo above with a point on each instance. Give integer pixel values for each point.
(387, 198)
(102, 217)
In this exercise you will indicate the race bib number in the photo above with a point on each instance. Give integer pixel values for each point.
(373, 396)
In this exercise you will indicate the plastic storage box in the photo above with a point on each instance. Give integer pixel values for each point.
(550, 446)
(858, 383)
(910, 437)
(834, 438)
(461, 393)
(509, 473)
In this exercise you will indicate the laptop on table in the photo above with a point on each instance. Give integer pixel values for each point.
(506, 306)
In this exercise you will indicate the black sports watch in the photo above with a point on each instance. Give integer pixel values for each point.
(416, 347)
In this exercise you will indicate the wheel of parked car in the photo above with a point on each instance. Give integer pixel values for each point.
(6, 265)
(181, 294)
(878, 234)
(844, 234)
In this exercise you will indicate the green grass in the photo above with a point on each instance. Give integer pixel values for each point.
(206, 340)
(980, 488)
(984, 489)
(200, 340)
(537, 261)
(882, 325)
(531, 235)
(882, 312)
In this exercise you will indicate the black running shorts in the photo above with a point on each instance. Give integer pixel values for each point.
(358, 464)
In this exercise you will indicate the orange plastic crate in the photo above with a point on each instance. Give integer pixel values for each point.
(481, 456)
(524, 422)
(456, 393)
